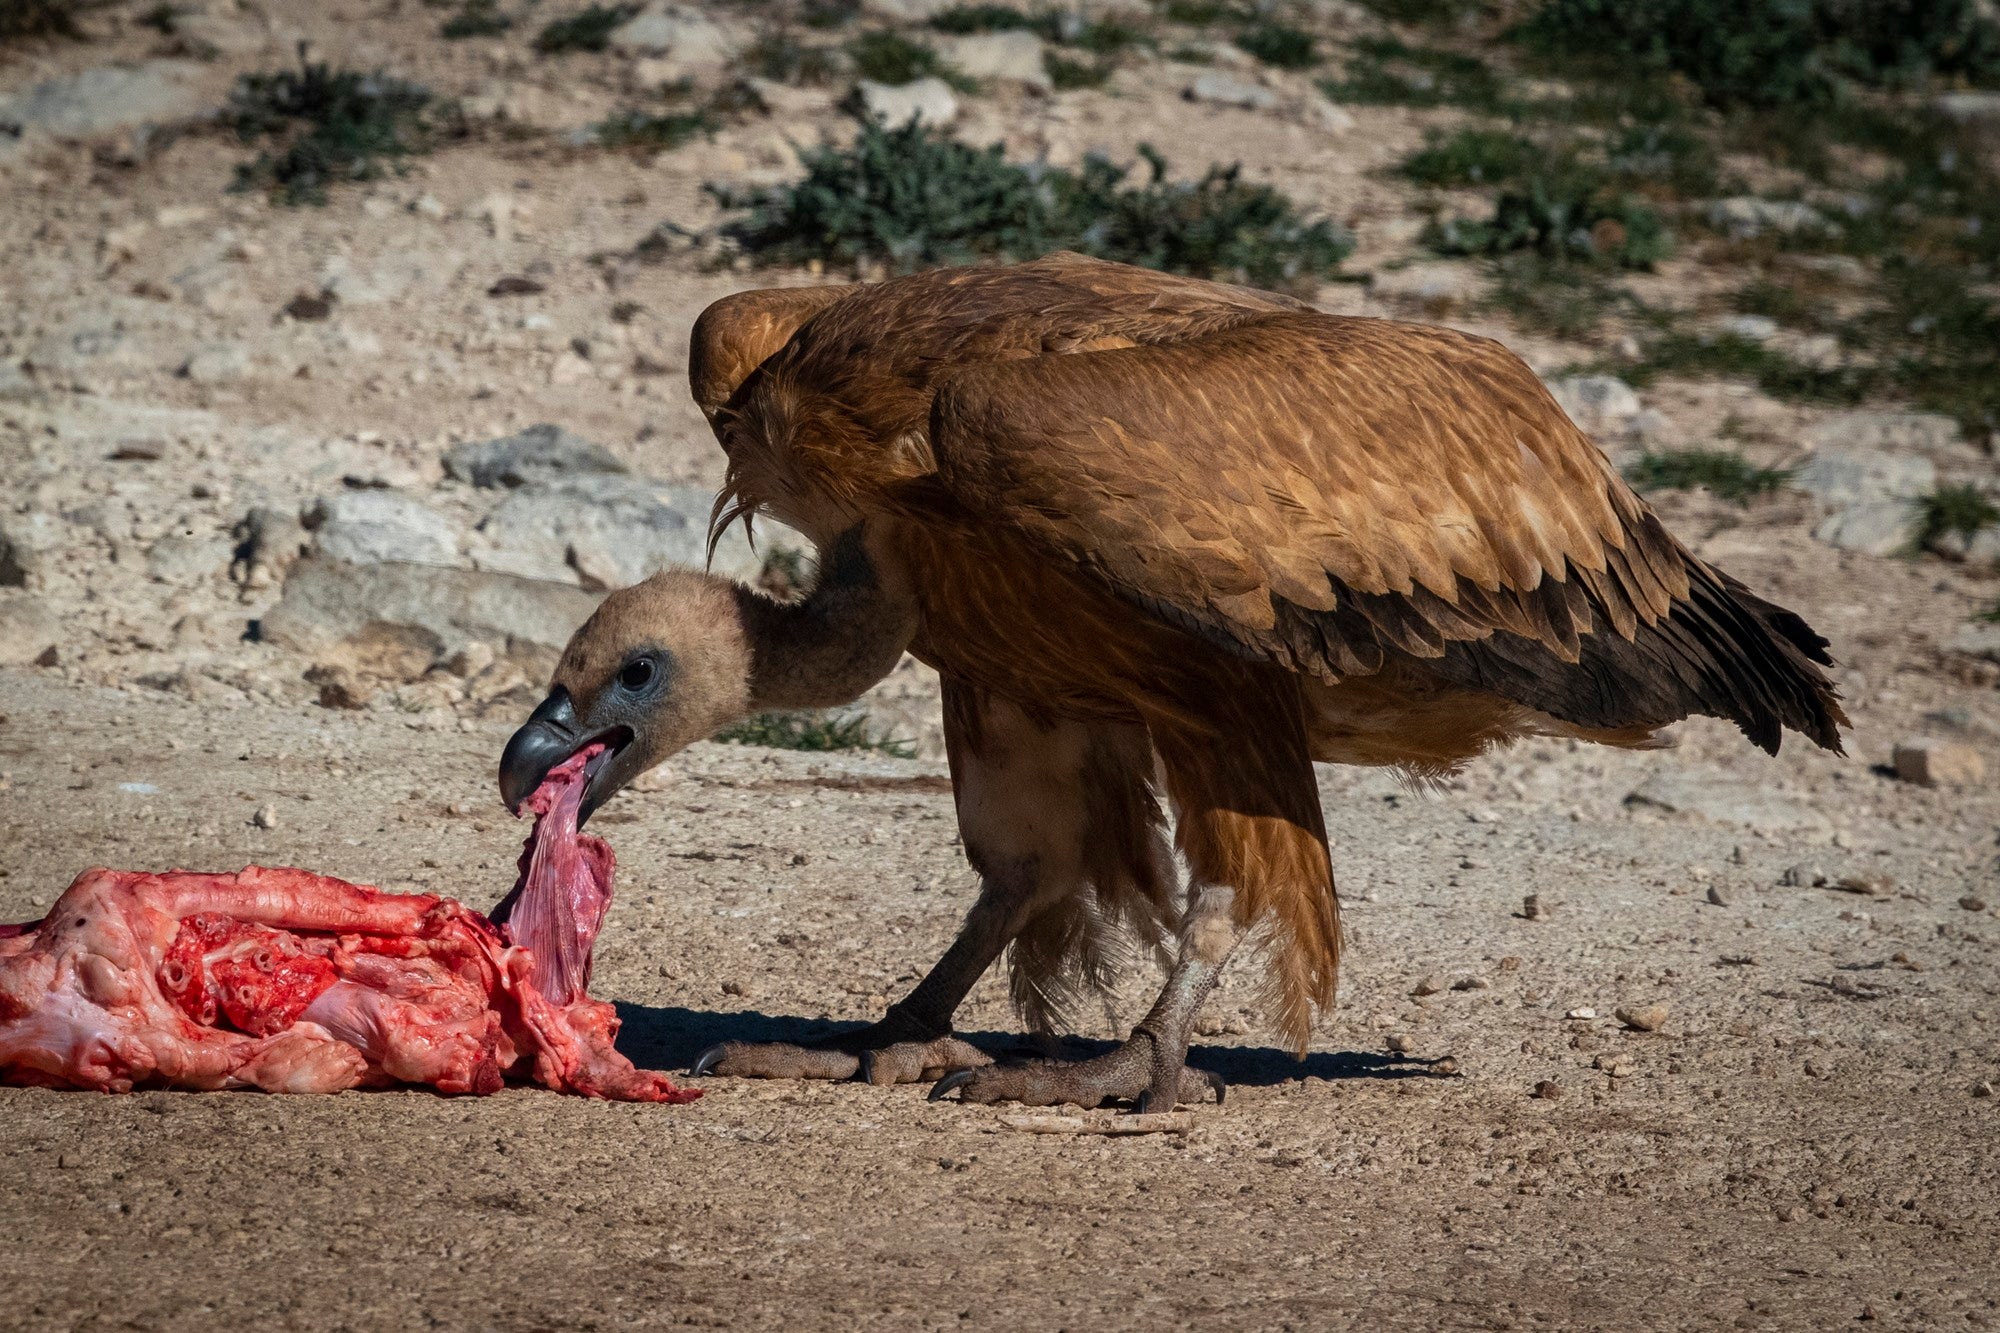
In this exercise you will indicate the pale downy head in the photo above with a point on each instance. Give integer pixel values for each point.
(658, 666)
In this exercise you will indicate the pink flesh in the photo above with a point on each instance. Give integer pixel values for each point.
(291, 982)
(563, 888)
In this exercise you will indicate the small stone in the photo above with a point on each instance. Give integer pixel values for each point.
(1511, 963)
(1014, 56)
(309, 308)
(1533, 909)
(1803, 876)
(1219, 88)
(1446, 1067)
(343, 691)
(1585, 1013)
(742, 989)
(1402, 1045)
(1617, 1066)
(218, 363)
(1934, 763)
(1720, 896)
(1432, 984)
(48, 657)
(1642, 1018)
(266, 817)
(1870, 883)
(1972, 902)
(1471, 983)
(1548, 1090)
(1983, 1088)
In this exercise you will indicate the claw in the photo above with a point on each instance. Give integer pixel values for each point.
(950, 1083)
(1144, 1106)
(1216, 1085)
(708, 1060)
(866, 1072)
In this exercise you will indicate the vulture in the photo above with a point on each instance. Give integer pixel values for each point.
(1168, 543)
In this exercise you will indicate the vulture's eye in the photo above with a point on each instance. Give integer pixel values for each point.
(636, 675)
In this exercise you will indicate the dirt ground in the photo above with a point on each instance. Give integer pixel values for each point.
(1811, 1139)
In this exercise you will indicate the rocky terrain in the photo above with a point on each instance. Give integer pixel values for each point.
(297, 501)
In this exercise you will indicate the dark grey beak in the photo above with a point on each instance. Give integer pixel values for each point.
(549, 736)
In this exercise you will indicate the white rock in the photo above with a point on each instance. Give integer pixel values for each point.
(28, 628)
(1221, 88)
(217, 363)
(1838, 477)
(1872, 527)
(187, 559)
(605, 530)
(693, 38)
(1969, 108)
(1747, 215)
(1751, 328)
(1428, 281)
(106, 100)
(1322, 113)
(1978, 639)
(929, 101)
(1601, 405)
(377, 527)
(907, 11)
(1928, 431)
(1005, 57)
(1982, 548)
(354, 286)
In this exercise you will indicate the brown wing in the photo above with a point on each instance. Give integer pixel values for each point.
(738, 333)
(1322, 491)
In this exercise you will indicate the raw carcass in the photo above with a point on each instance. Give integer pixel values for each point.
(294, 982)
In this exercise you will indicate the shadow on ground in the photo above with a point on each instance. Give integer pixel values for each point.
(670, 1038)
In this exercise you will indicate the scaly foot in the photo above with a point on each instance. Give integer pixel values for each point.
(894, 1050)
(1132, 1072)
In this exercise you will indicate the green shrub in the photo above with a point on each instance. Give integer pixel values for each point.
(782, 58)
(1731, 356)
(479, 18)
(1952, 511)
(40, 18)
(589, 30)
(1555, 296)
(337, 125)
(816, 732)
(658, 132)
(962, 19)
(1726, 474)
(829, 13)
(912, 197)
(1066, 74)
(1201, 13)
(1773, 52)
(1385, 72)
(890, 57)
(1472, 157)
(1566, 212)
(1280, 46)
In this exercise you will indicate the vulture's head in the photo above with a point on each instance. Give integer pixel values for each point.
(658, 666)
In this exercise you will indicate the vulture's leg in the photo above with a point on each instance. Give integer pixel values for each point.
(1033, 826)
(1250, 826)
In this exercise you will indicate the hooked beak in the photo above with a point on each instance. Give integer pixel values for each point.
(548, 737)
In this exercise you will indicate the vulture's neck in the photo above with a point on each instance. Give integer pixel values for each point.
(831, 646)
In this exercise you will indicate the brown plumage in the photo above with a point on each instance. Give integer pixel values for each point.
(1150, 516)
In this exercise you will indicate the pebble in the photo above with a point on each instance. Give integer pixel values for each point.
(1615, 1065)
(1401, 1044)
(1938, 763)
(1720, 896)
(1983, 1088)
(1532, 909)
(739, 988)
(1972, 903)
(1803, 876)
(1873, 884)
(266, 817)
(1548, 1090)
(1643, 1017)
(1471, 983)
(1431, 984)
(1581, 1013)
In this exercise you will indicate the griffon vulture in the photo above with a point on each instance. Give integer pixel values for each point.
(1153, 530)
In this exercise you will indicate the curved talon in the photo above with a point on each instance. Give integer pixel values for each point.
(865, 1071)
(950, 1083)
(708, 1059)
(1144, 1106)
(1216, 1085)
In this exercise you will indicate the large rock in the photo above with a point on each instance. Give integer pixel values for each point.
(106, 100)
(331, 608)
(543, 453)
(28, 628)
(1747, 215)
(1927, 431)
(929, 101)
(1872, 527)
(1221, 88)
(1840, 477)
(606, 531)
(1969, 108)
(1601, 405)
(692, 38)
(1002, 57)
(1723, 800)
(25, 543)
(376, 527)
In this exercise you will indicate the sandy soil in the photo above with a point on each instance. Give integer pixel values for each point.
(1804, 1143)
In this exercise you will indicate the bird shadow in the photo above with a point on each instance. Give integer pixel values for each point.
(669, 1037)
